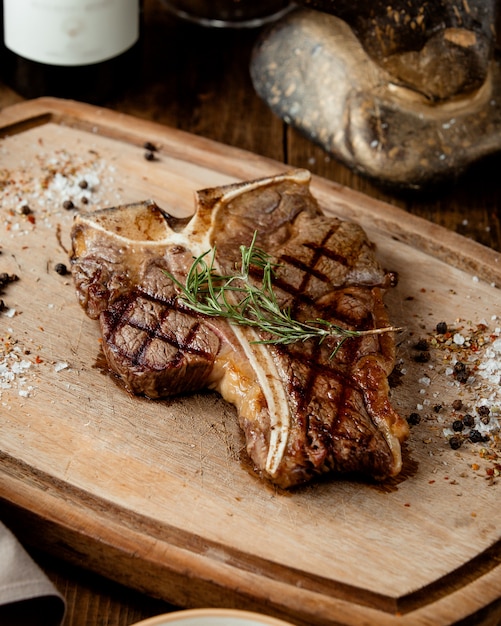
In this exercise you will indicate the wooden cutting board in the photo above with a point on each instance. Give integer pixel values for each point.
(158, 495)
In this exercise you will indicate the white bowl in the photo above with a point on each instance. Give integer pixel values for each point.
(212, 617)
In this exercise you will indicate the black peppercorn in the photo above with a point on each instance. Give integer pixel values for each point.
(414, 419)
(455, 442)
(83, 184)
(483, 410)
(476, 436)
(68, 205)
(441, 328)
(437, 408)
(5, 279)
(149, 155)
(468, 420)
(422, 344)
(61, 269)
(25, 210)
(457, 425)
(149, 146)
(422, 357)
(461, 372)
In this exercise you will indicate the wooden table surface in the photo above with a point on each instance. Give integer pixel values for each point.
(197, 80)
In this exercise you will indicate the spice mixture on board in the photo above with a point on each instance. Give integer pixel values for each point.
(41, 194)
(467, 356)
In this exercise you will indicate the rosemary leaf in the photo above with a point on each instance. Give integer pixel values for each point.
(240, 301)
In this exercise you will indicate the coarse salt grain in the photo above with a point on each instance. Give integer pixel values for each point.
(21, 366)
(13, 371)
(496, 345)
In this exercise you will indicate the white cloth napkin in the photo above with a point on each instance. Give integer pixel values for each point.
(27, 596)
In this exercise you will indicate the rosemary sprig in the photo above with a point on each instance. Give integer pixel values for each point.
(235, 298)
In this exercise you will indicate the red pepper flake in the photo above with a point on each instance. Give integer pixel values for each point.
(430, 482)
(38, 359)
(475, 466)
(407, 504)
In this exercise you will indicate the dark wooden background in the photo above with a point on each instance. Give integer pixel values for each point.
(197, 79)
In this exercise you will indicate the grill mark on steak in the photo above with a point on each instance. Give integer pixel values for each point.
(298, 295)
(155, 331)
(309, 270)
(305, 398)
(321, 249)
(324, 251)
(302, 413)
(140, 339)
(315, 369)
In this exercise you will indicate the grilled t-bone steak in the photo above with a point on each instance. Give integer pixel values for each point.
(303, 412)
